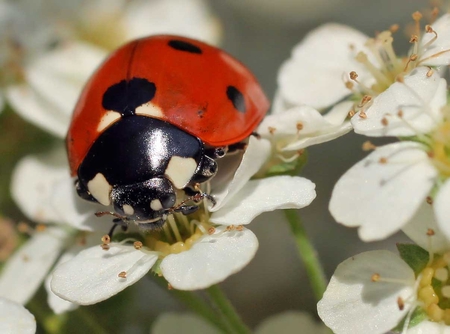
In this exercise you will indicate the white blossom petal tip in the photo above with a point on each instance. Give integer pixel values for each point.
(96, 274)
(303, 126)
(15, 318)
(407, 108)
(315, 77)
(354, 303)
(258, 196)
(382, 192)
(210, 260)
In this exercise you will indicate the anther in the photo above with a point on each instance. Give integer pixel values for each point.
(400, 303)
(417, 16)
(384, 121)
(429, 200)
(349, 85)
(353, 75)
(366, 99)
(430, 72)
(383, 160)
(428, 29)
(414, 39)
(400, 78)
(271, 130)
(106, 239)
(299, 126)
(230, 228)
(169, 286)
(105, 247)
(239, 228)
(434, 14)
(400, 113)
(122, 274)
(41, 228)
(211, 230)
(394, 28)
(351, 113)
(362, 114)
(375, 277)
(137, 245)
(368, 146)
(430, 232)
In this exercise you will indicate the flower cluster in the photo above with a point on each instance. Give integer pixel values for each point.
(402, 185)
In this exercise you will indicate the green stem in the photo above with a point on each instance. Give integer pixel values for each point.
(90, 320)
(228, 311)
(197, 305)
(308, 254)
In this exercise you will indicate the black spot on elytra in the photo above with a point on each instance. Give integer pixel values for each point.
(125, 96)
(236, 98)
(184, 46)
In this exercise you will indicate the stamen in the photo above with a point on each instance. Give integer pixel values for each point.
(417, 16)
(400, 303)
(211, 230)
(138, 245)
(429, 200)
(122, 274)
(174, 227)
(362, 114)
(434, 14)
(362, 58)
(377, 278)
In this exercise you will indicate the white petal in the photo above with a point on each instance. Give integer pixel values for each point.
(58, 305)
(170, 323)
(269, 194)
(210, 260)
(291, 322)
(419, 97)
(33, 184)
(15, 319)
(26, 269)
(256, 154)
(316, 128)
(379, 197)
(191, 18)
(54, 83)
(315, 73)
(92, 275)
(75, 211)
(428, 327)
(437, 54)
(418, 227)
(442, 209)
(353, 303)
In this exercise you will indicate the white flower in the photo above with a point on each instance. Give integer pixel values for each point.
(15, 318)
(42, 188)
(318, 73)
(291, 322)
(193, 252)
(377, 291)
(392, 183)
(43, 85)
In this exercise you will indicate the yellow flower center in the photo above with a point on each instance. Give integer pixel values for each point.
(434, 290)
(440, 146)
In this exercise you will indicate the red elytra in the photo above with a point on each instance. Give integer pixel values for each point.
(191, 92)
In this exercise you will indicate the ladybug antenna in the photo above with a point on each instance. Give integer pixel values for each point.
(118, 221)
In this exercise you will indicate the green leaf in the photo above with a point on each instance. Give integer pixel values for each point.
(416, 257)
(292, 168)
(417, 317)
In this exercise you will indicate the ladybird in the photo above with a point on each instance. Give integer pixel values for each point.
(152, 121)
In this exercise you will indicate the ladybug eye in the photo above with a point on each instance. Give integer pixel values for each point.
(236, 97)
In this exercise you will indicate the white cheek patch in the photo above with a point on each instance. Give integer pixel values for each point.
(128, 209)
(149, 109)
(156, 205)
(107, 119)
(100, 189)
(180, 171)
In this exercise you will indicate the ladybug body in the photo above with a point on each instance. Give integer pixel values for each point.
(152, 121)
